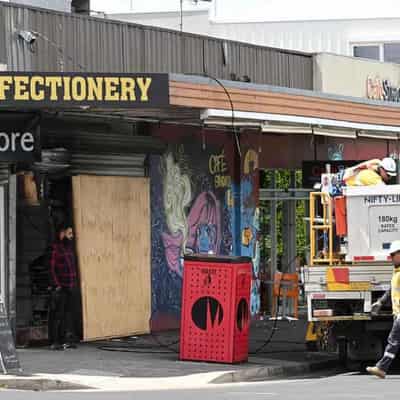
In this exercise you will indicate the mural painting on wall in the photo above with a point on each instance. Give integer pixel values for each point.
(250, 221)
(335, 152)
(190, 198)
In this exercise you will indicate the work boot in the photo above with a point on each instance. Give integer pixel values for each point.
(377, 372)
(69, 346)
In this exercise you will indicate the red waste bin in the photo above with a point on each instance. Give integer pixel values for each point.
(215, 309)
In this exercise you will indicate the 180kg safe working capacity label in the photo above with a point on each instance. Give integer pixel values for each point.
(388, 223)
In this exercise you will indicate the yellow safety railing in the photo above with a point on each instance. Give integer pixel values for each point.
(322, 223)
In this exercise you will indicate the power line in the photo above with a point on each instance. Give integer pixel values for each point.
(59, 49)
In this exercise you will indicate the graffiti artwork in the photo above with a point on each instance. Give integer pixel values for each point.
(194, 230)
(219, 169)
(250, 222)
(190, 214)
(335, 152)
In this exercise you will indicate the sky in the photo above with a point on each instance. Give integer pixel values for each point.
(263, 10)
(125, 6)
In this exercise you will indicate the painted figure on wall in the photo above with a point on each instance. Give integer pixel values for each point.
(197, 230)
(250, 222)
(190, 214)
(335, 152)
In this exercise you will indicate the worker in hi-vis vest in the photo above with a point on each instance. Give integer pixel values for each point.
(393, 345)
(371, 173)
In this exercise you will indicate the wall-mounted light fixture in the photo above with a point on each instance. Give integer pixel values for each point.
(27, 36)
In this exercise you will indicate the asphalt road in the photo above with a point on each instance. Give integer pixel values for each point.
(337, 387)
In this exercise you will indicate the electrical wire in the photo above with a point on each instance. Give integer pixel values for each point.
(139, 349)
(170, 350)
(275, 326)
(281, 351)
(163, 345)
(232, 109)
(145, 349)
(228, 95)
(58, 48)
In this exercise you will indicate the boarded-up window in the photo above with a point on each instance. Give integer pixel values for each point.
(112, 223)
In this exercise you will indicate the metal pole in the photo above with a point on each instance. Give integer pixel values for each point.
(181, 3)
(12, 252)
(274, 242)
(292, 226)
(292, 245)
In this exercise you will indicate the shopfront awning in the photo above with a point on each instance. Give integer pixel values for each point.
(273, 109)
(291, 124)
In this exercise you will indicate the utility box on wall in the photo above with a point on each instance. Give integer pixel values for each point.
(215, 309)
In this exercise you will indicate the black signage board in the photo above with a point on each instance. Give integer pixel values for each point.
(97, 90)
(312, 170)
(8, 355)
(19, 147)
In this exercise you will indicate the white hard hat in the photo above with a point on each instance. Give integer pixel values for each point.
(389, 165)
(394, 247)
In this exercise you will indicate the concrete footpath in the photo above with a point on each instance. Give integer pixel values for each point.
(147, 362)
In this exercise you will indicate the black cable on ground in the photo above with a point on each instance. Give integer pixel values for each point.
(163, 345)
(169, 349)
(287, 342)
(282, 351)
(274, 328)
(127, 346)
(133, 350)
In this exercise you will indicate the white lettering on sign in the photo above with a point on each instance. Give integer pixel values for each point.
(4, 141)
(27, 142)
(15, 140)
(382, 199)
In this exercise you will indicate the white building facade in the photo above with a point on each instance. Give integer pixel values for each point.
(357, 28)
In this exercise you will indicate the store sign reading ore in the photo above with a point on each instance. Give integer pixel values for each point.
(18, 147)
(71, 90)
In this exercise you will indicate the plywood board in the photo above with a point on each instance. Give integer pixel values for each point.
(112, 224)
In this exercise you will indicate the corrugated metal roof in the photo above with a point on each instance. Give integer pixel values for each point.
(70, 42)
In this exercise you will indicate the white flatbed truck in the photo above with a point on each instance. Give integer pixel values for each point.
(350, 271)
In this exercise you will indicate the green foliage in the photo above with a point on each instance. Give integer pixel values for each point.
(282, 180)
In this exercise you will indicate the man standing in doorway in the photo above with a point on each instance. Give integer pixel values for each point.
(393, 346)
(64, 277)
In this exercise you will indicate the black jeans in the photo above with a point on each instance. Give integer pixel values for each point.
(64, 316)
(392, 347)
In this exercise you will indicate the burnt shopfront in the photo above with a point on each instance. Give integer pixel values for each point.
(86, 165)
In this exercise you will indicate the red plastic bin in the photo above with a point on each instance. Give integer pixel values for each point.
(215, 309)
